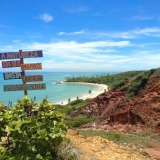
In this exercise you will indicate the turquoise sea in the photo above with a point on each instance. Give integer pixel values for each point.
(55, 93)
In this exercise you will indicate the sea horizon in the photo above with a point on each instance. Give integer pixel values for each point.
(55, 93)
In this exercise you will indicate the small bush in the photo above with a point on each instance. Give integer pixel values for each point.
(37, 128)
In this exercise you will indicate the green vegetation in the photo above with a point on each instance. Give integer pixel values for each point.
(156, 73)
(132, 82)
(34, 131)
(73, 105)
(113, 80)
(137, 84)
(75, 122)
(79, 119)
(139, 140)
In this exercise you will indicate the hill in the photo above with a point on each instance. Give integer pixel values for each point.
(128, 114)
(134, 106)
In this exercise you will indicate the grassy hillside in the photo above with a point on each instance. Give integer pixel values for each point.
(76, 121)
(113, 80)
(132, 82)
(138, 83)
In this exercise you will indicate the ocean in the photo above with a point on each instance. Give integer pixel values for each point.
(55, 93)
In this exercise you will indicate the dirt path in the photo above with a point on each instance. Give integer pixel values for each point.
(97, 148)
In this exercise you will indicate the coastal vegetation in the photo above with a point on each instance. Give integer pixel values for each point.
(137, 84)
(112, 80)
(30, 130)
(132, 82)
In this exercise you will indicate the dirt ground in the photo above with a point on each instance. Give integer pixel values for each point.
(97, 148)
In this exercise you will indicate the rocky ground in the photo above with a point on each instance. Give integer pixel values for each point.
(97, 148)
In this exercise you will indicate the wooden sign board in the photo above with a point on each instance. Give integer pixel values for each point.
(12, 75)
(31, 66)
(32, 78)
(18, 55)
(20, 87)
(9, 64)
(20, 75)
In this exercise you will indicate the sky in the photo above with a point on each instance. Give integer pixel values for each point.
(83, 35)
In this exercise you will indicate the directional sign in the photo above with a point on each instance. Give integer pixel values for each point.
(31, 66)
(20, 87)
(32, 78)
(9, 64)
(12, 75)
(18, 55)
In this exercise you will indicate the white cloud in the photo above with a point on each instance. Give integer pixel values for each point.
(141, 18)
(46, 17)
(98, 55)
(147, 30)
(71, 33)
(131, 34)
(72, 48)
(16, 41)
(95, 56)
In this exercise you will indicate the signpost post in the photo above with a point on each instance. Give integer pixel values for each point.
(21, 75)
(23, 71)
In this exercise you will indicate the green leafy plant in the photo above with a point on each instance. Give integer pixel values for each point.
(3, 122)
(34, 130)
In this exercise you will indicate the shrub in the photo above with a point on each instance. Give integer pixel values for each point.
(34, 130)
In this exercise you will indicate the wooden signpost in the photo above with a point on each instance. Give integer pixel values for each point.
(32, 78)
(9, 64)
(20, 87)
(21, 75)
(31, 66)
(12, 75)
(20, 54)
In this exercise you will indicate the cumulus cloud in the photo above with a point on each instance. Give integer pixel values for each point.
(98, 54)
(46, 17)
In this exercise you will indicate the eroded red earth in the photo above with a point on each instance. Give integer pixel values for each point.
(114, 113)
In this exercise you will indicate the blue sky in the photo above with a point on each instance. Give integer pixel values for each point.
(83, 35)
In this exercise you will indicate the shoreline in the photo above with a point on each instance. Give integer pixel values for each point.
(102, 88)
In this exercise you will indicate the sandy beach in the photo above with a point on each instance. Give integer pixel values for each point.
(93, 94)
